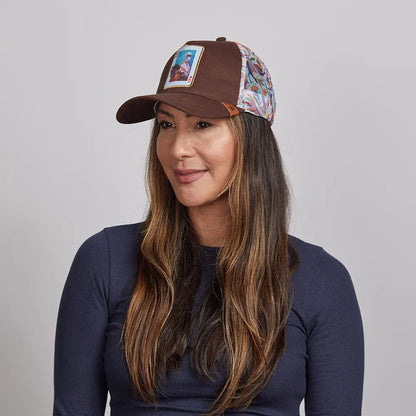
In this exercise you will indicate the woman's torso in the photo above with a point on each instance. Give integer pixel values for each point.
(184, 391)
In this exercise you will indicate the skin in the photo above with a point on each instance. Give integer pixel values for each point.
(190, 142)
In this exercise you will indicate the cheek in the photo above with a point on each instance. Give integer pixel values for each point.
(161, 153)
(228, 155)
(223, 160)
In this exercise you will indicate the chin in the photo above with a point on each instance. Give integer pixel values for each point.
(198, 198)
(192, 201)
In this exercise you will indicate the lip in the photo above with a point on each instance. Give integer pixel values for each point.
(187, 171)
(188, 175)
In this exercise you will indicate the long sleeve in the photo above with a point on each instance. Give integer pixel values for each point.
(79, 377)
(335, 346)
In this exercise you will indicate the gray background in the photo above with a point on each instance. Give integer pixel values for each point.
(344, 76)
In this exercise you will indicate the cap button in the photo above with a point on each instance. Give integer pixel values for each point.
(221, 39)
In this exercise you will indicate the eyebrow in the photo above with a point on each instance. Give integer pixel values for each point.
(171, 115)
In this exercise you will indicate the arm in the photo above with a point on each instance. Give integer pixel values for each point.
(79, 378)
(335, 369)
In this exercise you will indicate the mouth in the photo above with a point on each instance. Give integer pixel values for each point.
(188, 175)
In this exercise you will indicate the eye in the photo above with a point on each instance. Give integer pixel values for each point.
(165, 124)
(203, 125)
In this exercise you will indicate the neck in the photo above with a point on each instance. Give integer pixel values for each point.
(210, 223)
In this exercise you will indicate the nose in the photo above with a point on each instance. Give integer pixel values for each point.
(182, 144)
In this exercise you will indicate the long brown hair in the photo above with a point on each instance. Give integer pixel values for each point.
(241, 327)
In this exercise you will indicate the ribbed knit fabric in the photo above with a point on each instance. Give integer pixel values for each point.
(323, 361)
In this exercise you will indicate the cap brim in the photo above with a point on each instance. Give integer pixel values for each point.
(141, 108)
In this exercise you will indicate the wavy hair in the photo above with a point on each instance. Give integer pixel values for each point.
(240, 330)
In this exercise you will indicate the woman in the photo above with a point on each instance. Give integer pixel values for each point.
(209, 306)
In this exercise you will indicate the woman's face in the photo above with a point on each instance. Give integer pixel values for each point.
(203, 145)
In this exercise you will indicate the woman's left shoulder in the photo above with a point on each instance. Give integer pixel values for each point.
(321, 278)
(323, 286)
(317, 260)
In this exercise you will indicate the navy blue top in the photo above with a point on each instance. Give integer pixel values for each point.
(323, 361)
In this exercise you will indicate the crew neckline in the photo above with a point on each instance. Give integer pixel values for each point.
(210, 248)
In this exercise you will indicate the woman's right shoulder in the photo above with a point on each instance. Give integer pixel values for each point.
(110, 239)
(123, 233)
(111, 256)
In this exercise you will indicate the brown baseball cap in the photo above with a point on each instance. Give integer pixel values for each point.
(213, 79)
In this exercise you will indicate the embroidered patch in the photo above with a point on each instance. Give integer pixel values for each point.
(184, 66)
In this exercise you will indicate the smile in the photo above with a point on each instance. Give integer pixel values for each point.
(190, 177)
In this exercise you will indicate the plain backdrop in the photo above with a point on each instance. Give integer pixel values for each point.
(344, 74)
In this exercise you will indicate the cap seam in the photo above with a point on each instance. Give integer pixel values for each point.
(241, 70)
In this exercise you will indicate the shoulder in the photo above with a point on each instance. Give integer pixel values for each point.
(123, 233)
(320, 280)
(92, 254)
(111, 239)
(119, 241)
(309, 257)
(109, 256)
(316, 261)
(99, 245)
(123, 248)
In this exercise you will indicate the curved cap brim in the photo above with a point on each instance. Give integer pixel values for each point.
(141, 108)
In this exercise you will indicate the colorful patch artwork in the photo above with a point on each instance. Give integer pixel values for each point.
(184, 66)
(256, 94)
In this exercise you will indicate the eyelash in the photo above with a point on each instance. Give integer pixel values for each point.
(163, 124)
(206, 124)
